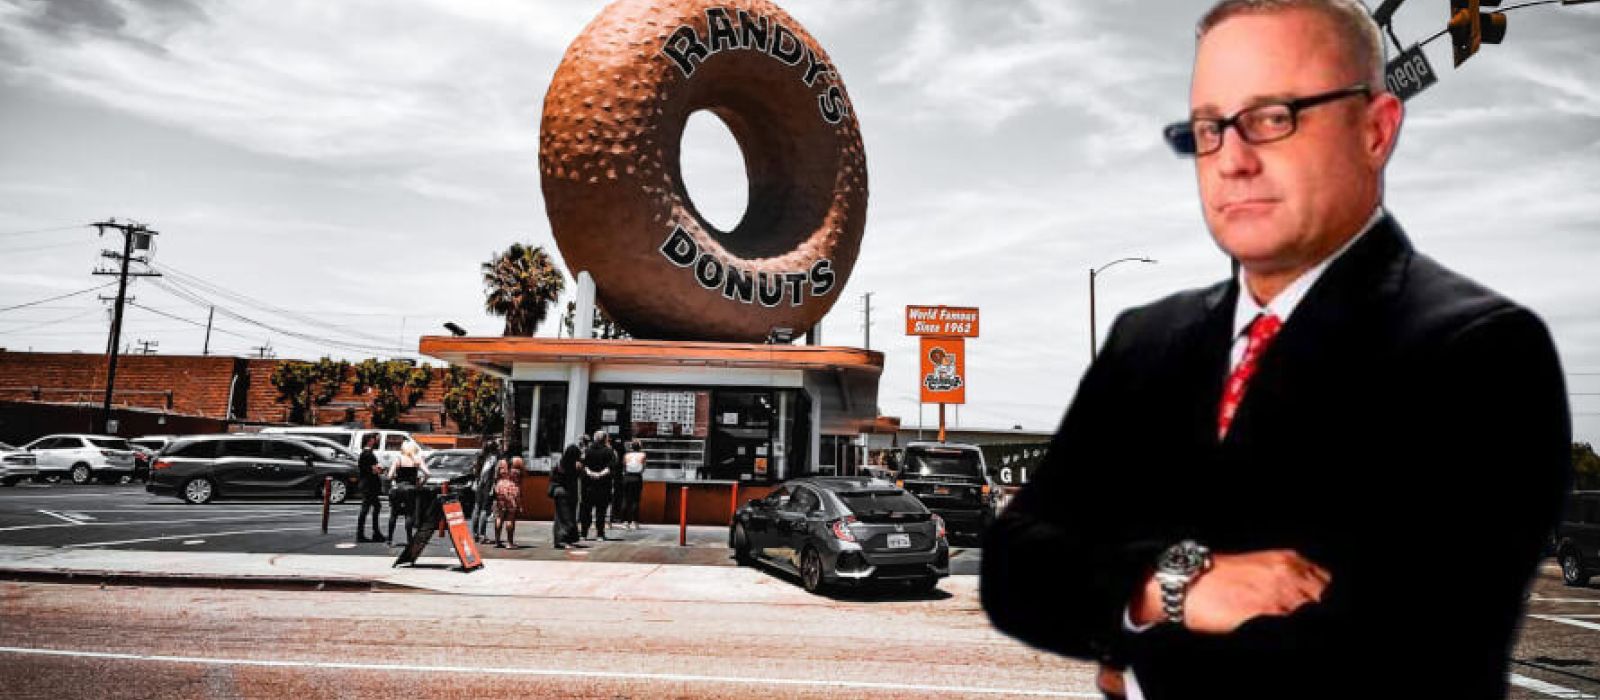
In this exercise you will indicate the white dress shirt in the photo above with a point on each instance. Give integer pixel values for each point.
(1245, 310)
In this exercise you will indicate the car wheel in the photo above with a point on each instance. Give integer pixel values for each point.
(10, 480)
(198, 491)
(811, 571)
(1572, 572)
(338, 491)
(741, 546)
(81, 473)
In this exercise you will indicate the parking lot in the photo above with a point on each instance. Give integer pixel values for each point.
(125, 516)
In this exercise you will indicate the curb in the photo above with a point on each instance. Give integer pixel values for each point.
(265, 582)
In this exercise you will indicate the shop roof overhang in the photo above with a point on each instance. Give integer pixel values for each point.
(497, 355)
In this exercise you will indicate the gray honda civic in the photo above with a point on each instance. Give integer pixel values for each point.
(843, 531)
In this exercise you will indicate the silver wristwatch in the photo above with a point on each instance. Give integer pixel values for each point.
(1177, 568)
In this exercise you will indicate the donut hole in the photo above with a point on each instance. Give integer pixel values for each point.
(715, 175)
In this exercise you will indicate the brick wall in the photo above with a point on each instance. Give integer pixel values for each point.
(187, 385)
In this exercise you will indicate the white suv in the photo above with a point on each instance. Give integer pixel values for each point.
(389, 441)
(82, 457)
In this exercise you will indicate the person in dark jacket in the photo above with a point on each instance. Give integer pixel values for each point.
(1230, 507)
(563, 490)
(369, 480)
(599, 462)
(483, 493)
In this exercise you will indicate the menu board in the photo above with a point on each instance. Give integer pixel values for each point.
(666, 413)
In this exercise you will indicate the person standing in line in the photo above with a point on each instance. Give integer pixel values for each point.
(488, 459)
(598, 462)
(563, 489)
(369, 480)
(632, 484)
(508, 502)
(405, 473)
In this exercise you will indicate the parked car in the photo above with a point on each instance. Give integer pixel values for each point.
(82, 457)
(953, 481)
(16, 464)
(1577, 538)
(389, 441)
(841, 530)
(199, 469)
(455, 468)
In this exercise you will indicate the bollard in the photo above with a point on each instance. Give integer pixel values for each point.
(733, 503)
(683, 516)
(444, 488)
(327, 493)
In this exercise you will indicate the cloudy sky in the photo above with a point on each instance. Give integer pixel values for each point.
(337, 171)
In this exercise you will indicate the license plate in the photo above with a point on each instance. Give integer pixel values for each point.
(941, 490)
(899, 541)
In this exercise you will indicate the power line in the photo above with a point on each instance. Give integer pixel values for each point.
(56, 298)
(51, 322)
(183, 292)
(218, 290)
(44, 230)
(191, 322)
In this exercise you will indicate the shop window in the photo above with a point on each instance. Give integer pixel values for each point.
(742, 425)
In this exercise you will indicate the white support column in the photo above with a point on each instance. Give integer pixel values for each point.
(785, 438)
(533, 427)
(578, 375)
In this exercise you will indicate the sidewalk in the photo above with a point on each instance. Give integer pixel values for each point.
(499, 577)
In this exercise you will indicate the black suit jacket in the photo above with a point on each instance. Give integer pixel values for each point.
(1407, 429)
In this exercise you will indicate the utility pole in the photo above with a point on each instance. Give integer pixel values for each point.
(147, 347)
(264, 351)
(867, 326)
(209, 315)
(135, 237)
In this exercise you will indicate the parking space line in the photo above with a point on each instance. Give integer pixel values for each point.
(1550, 689)
(54, 514)
(186, 536)
(1568, 621)
(102, 523)
(553, 672)
(1540, 599)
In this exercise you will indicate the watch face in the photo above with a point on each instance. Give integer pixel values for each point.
(1185, 558)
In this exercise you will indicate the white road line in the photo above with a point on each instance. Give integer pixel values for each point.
(613, 675)
(54, 514)
(1567, 621)
(265, 516)
(1550, 689)
(79, 516)
(190, 535)
(1541, 599)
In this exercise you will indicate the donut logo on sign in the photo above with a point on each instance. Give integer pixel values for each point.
(610, 140)
(687, 49)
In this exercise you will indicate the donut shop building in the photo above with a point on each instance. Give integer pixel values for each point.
(709, 414)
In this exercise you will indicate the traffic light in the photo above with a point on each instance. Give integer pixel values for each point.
(1469, 27)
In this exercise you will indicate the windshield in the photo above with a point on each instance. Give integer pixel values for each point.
(881, 502)
(110, 443)
(451, 463)
(934, 462)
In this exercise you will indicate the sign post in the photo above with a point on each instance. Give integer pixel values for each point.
(943, 367)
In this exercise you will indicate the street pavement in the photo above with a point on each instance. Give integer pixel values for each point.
(250, 599)
(127, 517)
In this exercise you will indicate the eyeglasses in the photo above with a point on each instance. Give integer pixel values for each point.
(1266, 123)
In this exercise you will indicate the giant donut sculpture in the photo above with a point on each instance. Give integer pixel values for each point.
(608, 160)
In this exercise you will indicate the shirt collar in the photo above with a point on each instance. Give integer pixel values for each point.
(1245, 309)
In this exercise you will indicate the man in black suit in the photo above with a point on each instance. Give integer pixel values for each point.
(1329, 476)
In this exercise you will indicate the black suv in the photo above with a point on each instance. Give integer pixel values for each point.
(198, 469)
(953, 481)
(1578, 538)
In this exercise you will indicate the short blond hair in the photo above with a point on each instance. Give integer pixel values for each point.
(1361, 39)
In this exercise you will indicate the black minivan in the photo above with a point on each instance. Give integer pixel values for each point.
(199, 469)
(1578, 538)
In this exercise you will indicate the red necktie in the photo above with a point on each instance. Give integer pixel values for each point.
(1262, 330)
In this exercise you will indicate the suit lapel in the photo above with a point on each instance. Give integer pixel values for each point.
(1322, 327)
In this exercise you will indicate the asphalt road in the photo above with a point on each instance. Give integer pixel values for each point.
(61, 641)
(182, 642)
(127, 517)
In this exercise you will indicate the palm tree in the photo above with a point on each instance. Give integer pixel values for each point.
(521, 284)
